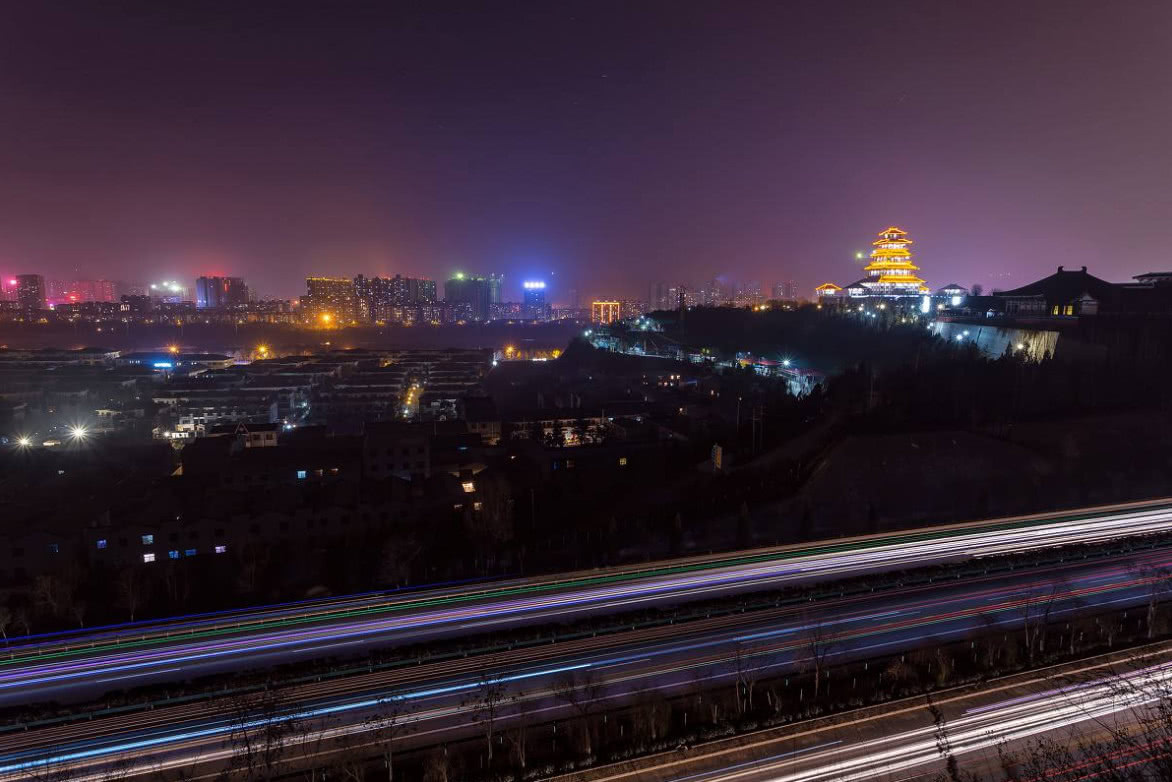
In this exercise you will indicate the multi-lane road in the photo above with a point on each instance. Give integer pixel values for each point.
(81, 666)
(440, 698)
(984, 729)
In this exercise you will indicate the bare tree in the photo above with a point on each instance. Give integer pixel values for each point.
(438, 766)
(130, 587)
(310, 737)
(253, 561)
(5, 620)
(45, 770)
(1159, 581)
(51, 594)
(77, 609)
(651, 716)
(20, 620)
(944, 745)
(260, 731)
(817, 645)
(121, 768)
(488, 703)
(1035, 618)
(389, 723)
(582, 691)
(746, 677)
(518, 738)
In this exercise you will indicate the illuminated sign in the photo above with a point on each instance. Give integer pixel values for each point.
(534, 285)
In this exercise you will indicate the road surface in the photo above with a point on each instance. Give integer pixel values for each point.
(81, 666)
(903, 742)
(440, 698)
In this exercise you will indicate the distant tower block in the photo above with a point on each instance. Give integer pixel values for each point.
(891, 271)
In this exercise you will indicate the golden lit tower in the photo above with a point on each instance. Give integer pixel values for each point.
(891, 271)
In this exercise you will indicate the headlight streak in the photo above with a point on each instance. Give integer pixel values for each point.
(679, 581)
(598, 662)
(811, 567)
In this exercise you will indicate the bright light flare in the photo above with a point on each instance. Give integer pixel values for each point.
(78, 432)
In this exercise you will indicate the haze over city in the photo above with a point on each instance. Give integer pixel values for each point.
(683, 391)
(599, 145)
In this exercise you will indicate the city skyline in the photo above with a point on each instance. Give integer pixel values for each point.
(583, 144)
(716, 289)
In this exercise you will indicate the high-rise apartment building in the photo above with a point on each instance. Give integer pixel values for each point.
(411, 291)
(423, 290)
(220, 293)
(747, 294)
(604, 312)
(663, 296)
(30, 291)
(80, 291)
(330, 300)
(393, 299)
(633, 308)
(534, 306)
(372, 297)
(786, 290)
(474, 293)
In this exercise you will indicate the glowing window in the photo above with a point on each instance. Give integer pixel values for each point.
(221, 549)
(148, 557)
(102, 543)
(148, 540)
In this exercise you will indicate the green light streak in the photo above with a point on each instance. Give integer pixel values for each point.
(169, 636)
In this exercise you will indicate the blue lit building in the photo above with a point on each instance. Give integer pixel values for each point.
(534, 306)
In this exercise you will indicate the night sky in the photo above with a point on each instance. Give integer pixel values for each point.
(605, 144)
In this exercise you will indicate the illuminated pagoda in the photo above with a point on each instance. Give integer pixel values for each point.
(891, 271)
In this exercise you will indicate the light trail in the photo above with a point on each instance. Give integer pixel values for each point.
(46, 669)
(1011, 721)
(666, 661)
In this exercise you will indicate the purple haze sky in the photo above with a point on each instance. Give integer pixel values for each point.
(606, 144)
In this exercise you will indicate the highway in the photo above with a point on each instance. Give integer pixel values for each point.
(1089, 699)
(440, 698)
(84, 665)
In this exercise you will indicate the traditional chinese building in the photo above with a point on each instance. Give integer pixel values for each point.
(890, 272)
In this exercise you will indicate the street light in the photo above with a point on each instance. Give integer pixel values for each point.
(78, 432)
(24, 442)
